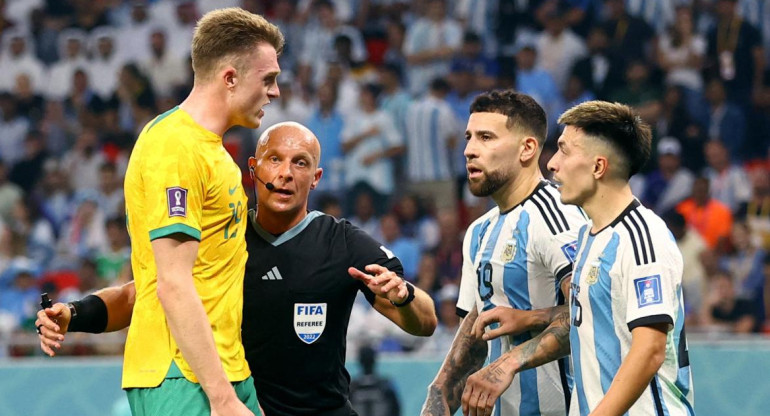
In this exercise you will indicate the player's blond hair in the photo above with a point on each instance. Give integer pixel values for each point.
(229, 35)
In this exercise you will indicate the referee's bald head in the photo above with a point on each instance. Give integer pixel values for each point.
(291, 131)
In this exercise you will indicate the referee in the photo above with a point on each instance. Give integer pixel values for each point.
(302, 276)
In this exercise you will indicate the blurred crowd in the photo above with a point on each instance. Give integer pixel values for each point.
(386, 86)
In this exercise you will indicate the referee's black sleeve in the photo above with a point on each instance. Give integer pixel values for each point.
(364, 250)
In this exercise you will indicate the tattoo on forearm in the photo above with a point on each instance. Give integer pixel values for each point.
(495, 372)
(465, 357)
(549, 345)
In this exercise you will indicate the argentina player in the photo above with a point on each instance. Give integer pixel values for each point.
(627, 336)
(515, 256)
(626, 329)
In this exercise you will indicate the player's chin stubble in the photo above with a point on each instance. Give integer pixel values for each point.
(491, 183)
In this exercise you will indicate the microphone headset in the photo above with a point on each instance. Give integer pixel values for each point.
(268, 185)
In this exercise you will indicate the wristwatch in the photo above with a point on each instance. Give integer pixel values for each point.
(409, 297)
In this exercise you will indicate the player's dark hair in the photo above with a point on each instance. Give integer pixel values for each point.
(617, 125)
(523, 112)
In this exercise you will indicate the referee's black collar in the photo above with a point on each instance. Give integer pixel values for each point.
(288, 234)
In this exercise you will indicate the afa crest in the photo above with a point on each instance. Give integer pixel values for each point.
(593, 274)
(509, 251)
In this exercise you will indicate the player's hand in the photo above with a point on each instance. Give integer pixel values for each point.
(232, 407)
(484, 387)
(382, 282)
(52, 324)
(512, 322)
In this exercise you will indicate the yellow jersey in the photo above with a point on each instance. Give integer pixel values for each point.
(180, 179)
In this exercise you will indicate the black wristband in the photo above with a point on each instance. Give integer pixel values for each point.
(90, 316)
(409, 297)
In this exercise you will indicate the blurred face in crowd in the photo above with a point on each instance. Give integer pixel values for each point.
(716, 155)
(327, 96)
(364, 206)
(389, 227)
(573, 166)
(488, 150)
(715, 92)
(74, 47)
(684, 20)
(436, 10)
(597, 40)
(18, 46)
(158, 42)
(407, 207)
(287, 156)
(525, 58)
(700, 191)
(741, 236)
(105, 46)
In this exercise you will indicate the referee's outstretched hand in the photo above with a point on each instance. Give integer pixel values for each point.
(382, 282)
(51, 324)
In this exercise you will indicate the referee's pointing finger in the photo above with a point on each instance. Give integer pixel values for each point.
(358, 274)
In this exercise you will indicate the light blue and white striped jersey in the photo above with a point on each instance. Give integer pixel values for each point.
(517, 259)
(627, 275)
(430, 124)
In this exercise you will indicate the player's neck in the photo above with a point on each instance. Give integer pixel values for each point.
(203, 106)
(607, 204)
(523, 185)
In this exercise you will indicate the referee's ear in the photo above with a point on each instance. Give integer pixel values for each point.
(317, 177)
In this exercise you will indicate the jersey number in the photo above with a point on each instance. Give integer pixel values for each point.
(235, 219)
(577, 309)
(484, 273)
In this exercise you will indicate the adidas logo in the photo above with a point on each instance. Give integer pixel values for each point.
(272, 274)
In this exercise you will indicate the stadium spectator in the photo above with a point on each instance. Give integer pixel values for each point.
(327, 123)
(707, 216)
(14, 128)
(432, 134)
(536, 82)
(370, 393)
(430, 44)
(735, 54)
(10, 194)
(18, 57)
(73, 48)
(365, 217)
(370, 141)
(757, 211)
(728, 181)
(629, 36)
(318, 43)
(694, 278)
(112, 259)
(745, 266)
(407, 249)
(558, 48)
(723, 311)
(639, 92)
(29, 103)
(670, 183)
(165, 70)
(106, 61)
(601, 71)
(676, 121)
(680, 53)
(726, 121)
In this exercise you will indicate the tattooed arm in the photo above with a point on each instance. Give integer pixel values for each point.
(484, 387)
(466, 356)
